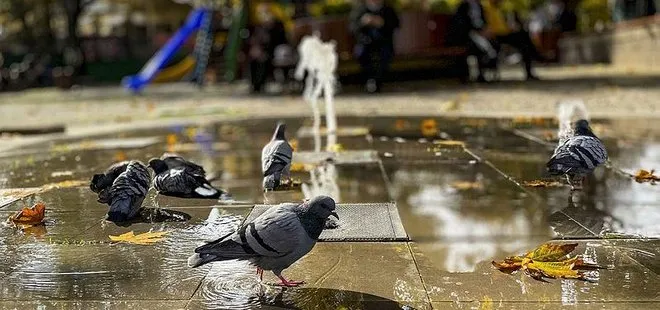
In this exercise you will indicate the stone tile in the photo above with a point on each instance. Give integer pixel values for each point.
(419, 152)
(644, 251)
(628, 281)
(332, 272)
(93, 305)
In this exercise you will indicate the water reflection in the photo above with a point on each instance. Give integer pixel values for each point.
(323, 181)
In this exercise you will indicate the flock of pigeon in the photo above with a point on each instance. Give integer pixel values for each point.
(272, 241)
(285, 233)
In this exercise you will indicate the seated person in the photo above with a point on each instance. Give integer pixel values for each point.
(502, 32)
(468, 28)
(265, 37)
(373, 25)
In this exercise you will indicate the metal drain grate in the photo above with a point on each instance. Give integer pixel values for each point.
(344, 157)
(359, 222)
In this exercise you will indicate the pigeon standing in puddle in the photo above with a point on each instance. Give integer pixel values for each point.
(578, 155)
(102, 182)
(127, 191)
(276, 159)
(274, 240)
(182, 181)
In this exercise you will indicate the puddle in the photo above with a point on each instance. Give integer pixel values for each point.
(460, 208)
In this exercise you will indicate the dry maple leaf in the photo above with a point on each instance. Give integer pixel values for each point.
(541, 183)
(643, 176)
(30, 216)
(142, 239)
(549, 260)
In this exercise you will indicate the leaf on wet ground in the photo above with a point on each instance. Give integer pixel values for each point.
(289, 184)
(300, 167)
(335, 148)
(30, 216)
(550, 260)
(64, 184)
(542, 183)
(449, 143)
(429, 127)
(466, 185)
(644, 176)
(142, 239)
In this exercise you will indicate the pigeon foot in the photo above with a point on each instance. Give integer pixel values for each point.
(288, 283)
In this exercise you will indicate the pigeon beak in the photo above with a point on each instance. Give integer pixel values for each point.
(333, 213)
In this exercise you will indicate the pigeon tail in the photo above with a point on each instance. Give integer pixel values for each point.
(121, 210)
(208, 191)
(220, 250)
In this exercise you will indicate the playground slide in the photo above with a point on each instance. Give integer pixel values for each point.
(137, 82)
(175, 72)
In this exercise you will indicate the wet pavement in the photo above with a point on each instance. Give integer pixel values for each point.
(462, 205)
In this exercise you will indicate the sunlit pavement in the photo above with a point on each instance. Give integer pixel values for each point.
(461, 206)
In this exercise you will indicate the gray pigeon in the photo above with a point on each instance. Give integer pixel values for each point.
(276, 158)
(176, 161)
(274, 240)
(578, 155)
(102, 182)
(127, 192)
(182, 182)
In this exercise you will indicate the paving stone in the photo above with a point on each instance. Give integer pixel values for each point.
(94, 305)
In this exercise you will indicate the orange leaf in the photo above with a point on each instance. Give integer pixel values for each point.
(30, 216)
(429, 127)
(646, 176)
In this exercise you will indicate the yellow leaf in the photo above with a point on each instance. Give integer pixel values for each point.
(541, 183)
(646, 176)
(294, 144)
(554, 270)
(551, 252)
(299, 167)
(64, 184)
(464, 185)
(336, 148)
(509, 264)
(450, 143)
(143, 239)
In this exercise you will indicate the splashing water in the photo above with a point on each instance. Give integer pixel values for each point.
(323, 181)
(569, 111)
(319, 60)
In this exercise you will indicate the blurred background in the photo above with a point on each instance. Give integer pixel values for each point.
(96, 42)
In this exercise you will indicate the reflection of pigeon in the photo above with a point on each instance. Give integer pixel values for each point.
(182, 181)
(127, 192)
(276, 158)
(578, 155)
(274, 240)
(102, 182)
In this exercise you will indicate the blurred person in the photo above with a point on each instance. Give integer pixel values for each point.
(468, 28)
(266, 36)
(373, 24)
(510, 33)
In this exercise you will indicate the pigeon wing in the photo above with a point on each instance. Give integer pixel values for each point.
(274, 233)
(178, 161)
(276, 156)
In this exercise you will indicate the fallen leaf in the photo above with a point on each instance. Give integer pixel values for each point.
(465, 185)
(294, 144)
(300, 167)
(643, 176)
(119, 156)
(401, 124)
(64, 184)
(429, 128)
(550, 252)
(336, 148)
(541, 183)
(449, 143)
(142, 239)
(30, 216)
(550, 260)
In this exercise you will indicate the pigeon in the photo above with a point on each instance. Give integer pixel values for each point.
(274, 240)
(102, 182)
(182, 181)
(577, 155)
(175, 161)
(276, 158)
(127, 192)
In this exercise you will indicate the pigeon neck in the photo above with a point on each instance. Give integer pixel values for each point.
(584, 132)
(279, 133)
(313, 225)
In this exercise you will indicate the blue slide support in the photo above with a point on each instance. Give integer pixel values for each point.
(136, 83)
